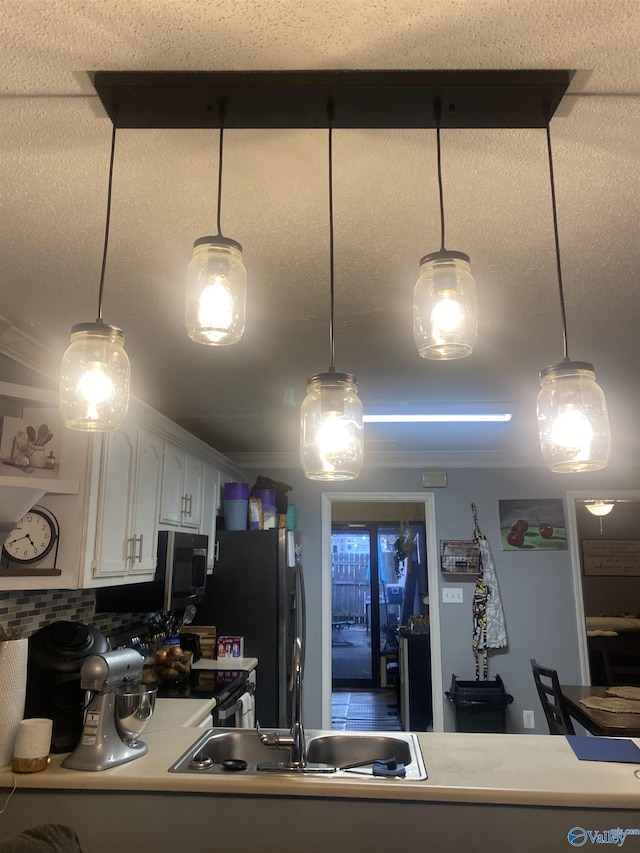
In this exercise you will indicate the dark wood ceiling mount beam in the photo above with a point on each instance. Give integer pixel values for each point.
(362, 99)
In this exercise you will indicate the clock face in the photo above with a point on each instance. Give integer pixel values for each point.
(31, 539)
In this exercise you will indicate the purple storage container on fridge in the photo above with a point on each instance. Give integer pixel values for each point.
(236, 491)
(267, 496)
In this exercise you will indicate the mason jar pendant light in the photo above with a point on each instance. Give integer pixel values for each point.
(331, 432)
(573, 423)
(445, 321)
(94, 375)
(216, 282)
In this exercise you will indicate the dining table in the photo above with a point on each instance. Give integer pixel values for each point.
(596, 721)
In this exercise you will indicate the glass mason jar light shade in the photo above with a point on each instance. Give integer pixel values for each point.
(572, 419)
(216, 292)
(445, 310)
(331, 434)
(94, 378)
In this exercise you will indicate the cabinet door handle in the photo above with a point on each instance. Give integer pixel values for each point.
(189, 502)
(216, 551)
(139, 555)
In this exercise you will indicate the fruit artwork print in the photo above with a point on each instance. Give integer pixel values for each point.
(532, 525)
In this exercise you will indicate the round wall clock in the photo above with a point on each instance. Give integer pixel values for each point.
(32, 538)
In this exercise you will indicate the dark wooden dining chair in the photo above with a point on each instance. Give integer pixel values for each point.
(548, 688)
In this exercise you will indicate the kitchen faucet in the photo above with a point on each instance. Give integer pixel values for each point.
(294, 740)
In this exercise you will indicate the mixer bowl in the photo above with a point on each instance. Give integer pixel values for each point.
(133, 709)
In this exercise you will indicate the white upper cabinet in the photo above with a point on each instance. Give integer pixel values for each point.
(147, 502)
(182, 488)
(173, 503)
(193, 482)
(126, 539)
(109, 493)
(210, 503)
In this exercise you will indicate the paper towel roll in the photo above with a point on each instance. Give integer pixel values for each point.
(33, 741)
(13, 688)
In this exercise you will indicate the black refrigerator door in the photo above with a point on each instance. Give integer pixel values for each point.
(247, 594)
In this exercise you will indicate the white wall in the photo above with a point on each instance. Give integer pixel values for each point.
(536, 587)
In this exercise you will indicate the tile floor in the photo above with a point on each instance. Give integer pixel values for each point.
(365, 710)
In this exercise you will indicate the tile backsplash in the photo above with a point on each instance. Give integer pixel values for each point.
(28, 610)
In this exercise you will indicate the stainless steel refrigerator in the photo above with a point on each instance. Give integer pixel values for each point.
(256, 590)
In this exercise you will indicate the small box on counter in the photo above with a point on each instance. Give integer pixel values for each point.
(207, 634)
(230, 647)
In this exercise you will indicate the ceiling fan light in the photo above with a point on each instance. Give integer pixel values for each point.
(94, 378)
(216, 292)
(445, 307)
(331, 432)
(573, 423)
(600, 508)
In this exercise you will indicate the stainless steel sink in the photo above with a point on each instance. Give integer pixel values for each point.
(344, 749)
(335, 749)
(341, 749)
(209, 752)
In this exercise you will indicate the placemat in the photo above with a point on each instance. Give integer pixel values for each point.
(625, 692)
(604, 749)
(612, 703)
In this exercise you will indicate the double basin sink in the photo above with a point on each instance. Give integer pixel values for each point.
(342, 754)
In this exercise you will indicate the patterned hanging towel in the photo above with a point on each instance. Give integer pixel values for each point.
(489, 628)
(479, 638)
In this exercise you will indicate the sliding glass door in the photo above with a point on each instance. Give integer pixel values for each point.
(372, 594)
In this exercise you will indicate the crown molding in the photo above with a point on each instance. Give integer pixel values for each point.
(27, 351)
(399, 459)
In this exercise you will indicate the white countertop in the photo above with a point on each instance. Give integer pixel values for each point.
(464, 768)
(246, 664)
(178, 713)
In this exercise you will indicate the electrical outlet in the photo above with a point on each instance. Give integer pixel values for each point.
(452, 595)
(528, 720)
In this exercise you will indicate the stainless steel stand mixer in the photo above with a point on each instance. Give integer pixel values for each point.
(112, 720)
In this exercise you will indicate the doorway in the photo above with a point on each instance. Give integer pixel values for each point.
(381, 562)
(603, 596)
(335, 509)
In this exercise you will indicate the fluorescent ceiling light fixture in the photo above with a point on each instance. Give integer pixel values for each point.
(503, 417)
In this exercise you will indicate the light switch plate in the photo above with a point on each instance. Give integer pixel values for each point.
(452, 595)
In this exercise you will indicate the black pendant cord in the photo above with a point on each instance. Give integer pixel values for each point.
(223, 115)
(565, 347)
(108, 220)
(437, 109)
(331, 263)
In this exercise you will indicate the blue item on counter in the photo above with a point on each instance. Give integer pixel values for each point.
(388, 768)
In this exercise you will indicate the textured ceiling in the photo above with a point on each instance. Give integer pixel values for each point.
(244, 399)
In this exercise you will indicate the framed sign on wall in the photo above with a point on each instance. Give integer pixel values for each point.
(611, 557)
